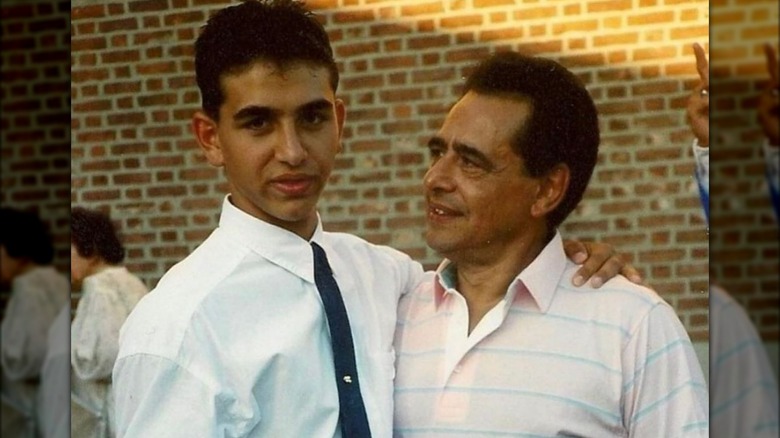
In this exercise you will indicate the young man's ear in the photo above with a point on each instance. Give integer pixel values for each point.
(205, 129)
(552, 190)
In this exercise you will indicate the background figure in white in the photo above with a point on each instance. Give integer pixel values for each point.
(38, 292)
(743, 387)
(109, 293)
(53, 407)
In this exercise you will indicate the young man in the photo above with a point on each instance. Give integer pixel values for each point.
(499, 343)
(236, 340)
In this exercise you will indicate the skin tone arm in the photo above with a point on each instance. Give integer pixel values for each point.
(699, 102)
(698, 108)
(600, 262)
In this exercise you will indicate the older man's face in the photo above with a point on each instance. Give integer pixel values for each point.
(478, 194)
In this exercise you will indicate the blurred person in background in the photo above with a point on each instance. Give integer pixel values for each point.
(743, 387)
(108, 293)
(38, 292)
(53, 408)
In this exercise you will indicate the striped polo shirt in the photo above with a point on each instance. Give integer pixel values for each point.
(550, 359)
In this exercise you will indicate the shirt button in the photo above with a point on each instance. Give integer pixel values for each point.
(347, 379)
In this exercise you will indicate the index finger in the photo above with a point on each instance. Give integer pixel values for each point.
(702, 66)
(771, 62)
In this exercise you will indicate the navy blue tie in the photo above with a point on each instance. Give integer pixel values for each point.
(352, 412)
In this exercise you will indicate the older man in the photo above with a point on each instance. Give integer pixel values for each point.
(500, 343)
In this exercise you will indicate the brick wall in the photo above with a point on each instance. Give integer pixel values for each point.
(133, 93)
(35, 121)
(744, 230)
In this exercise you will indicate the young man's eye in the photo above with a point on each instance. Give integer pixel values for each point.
(257, 124)
(314, 118)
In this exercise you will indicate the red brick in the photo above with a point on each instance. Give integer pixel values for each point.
(98, 74)
(575, 26)
(95, 136)
(501, 34)
(148, 6)
(427, 42)
(208, 174)
(183, 18)
(394, 62)
(120, 56)
(100, 195)
(535, 13)
(356, 49)
(422, 9)
(461, 21)
(156, 68)
(651, 18)
(628, 38)
(473, 54)
(117, 25)
(609, 6)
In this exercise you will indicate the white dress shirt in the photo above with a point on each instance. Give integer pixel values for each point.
(108, 296)
(550, 359)
(233, 341)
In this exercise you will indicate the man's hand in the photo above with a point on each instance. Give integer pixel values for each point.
(599, 262)
(769, 100)
(698, 108)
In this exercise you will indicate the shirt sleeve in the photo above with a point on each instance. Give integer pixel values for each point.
(154, 396)
(24, 332)
(772, 160)
(95, 333)
(665, 393)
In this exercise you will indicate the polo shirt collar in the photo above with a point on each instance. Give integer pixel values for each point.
(539, 280)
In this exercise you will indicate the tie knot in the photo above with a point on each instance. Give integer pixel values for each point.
(321, 265)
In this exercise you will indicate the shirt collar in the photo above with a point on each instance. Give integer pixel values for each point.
(539, 280)
(279, 246)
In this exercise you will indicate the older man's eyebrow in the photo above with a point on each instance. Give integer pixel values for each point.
(437, 142)
(473, 154)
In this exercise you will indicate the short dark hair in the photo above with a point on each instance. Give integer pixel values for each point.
(562, 127)
(93, 234)
(25, 236)
(282, 32)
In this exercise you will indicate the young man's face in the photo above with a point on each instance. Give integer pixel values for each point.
(477, 193)
(278, 135)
